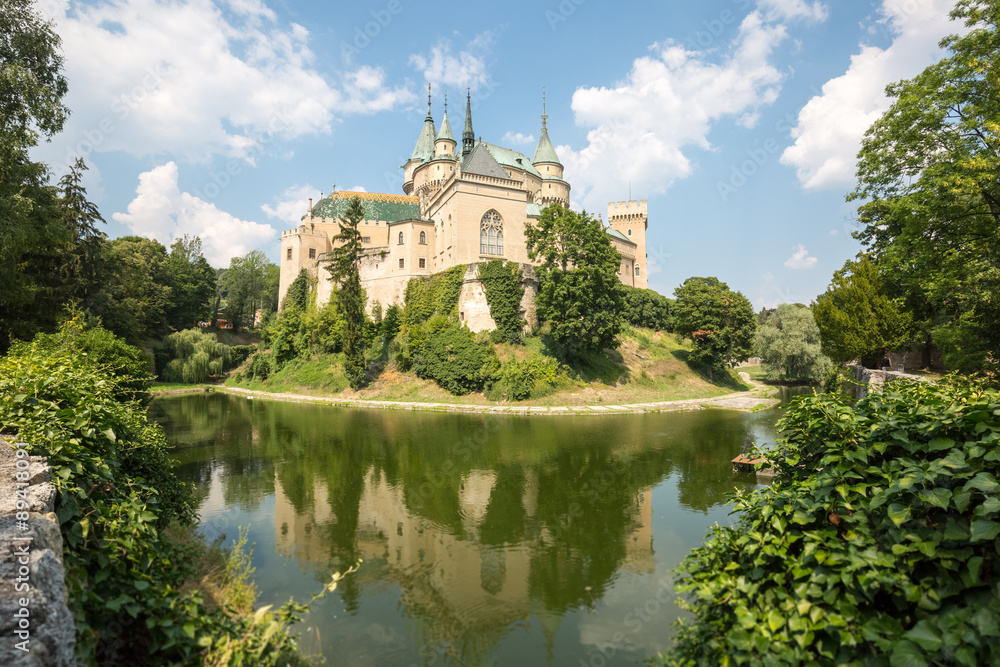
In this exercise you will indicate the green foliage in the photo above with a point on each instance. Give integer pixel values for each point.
(134, 302)
(297, 295)
(580, 295)
(788, 345)
(502, 284)
(929, 194)
(521, 380)
(392, 322)
(195, 356)
(646, 308)
(448, 353)
(433, 295)
(246, 286)
(719, 321)
(240, 353)
(192, 284)
(350, 298)
(877, 543)
(856, 317)
(259, 368)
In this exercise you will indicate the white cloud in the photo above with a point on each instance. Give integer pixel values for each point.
(832, 124)
(800, 258)
(193, 79)
(793, 9)
(466, 70)
(162, 212)
(770, 294)
(666, 104)
(292, 204)
(518, 139)
(834, 232)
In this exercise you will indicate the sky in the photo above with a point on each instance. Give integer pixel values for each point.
(738, 120)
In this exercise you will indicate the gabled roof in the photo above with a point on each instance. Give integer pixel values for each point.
(510, 158)
(481, 161)
(618, 235)
(377, 206)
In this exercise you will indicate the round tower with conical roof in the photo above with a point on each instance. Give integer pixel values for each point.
(445, 143)
(423, 150)
(546, 162)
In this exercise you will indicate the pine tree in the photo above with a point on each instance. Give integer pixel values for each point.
(343, 268)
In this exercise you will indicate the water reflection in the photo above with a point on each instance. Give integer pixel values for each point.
(477, 527)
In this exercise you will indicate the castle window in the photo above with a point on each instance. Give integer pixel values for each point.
(312, 253)
(637, 269)
(288, 253)
(423, 238)
(630, 232)
(401, 238)
(400, 262)
(366, 239)
(423, 263)
(491, 234)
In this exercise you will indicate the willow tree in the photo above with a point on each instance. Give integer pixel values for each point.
(343, 268)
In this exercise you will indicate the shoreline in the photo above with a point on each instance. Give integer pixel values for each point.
(743, 401)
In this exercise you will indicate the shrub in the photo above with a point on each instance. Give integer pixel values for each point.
(646, 308)
(520, 380)
(502, 285)
(447, 353)
(877, 544)
(391, 322)
(196, 356)
(259, 368)
(240, 353)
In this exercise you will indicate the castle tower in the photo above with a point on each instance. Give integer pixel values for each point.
(424, 149)
(468, 136)
(545, 160)
(631, 220)
(445, 143)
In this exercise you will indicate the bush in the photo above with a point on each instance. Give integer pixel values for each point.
(877, 544)
(240, 353)
(502, 285)
(259, 368)
(447, 353)
(520, 380)
(646, 308)
(196, 356)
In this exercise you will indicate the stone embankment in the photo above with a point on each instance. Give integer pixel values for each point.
(869, 379)
(36, 626)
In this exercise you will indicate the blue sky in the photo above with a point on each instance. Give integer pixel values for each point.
(738, 120)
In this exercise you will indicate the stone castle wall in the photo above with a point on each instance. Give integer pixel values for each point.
(33, 596)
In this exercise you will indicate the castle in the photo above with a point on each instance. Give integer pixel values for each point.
(461, 205)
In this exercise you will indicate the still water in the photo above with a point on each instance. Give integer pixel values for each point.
(485, 539)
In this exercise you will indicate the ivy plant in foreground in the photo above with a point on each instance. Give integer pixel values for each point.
(877, 545)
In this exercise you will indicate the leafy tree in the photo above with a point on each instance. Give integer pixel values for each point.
(789, 346)
(196, 355)
(579, 292)
(392, 321)
(875, 545)
(646, 308)
(245, 284)
(719, 321)
(297, 295)
(191, 281)
(343, 268)
(929, 194)
(137, 296)
(856, 317)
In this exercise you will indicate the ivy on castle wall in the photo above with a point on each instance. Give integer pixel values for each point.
(502, 284)
(437, 294)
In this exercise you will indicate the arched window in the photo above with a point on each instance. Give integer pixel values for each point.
(491, 234)
(423, 238)
(401, 238)
(630, 232)
(637, 269)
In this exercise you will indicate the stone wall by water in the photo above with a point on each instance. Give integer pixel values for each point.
(868, 379)
(33, 596)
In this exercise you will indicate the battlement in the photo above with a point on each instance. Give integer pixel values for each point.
(630, 208)
(301, 230)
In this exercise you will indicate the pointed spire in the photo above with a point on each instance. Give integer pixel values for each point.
(445, 132)
(545, 151)
(424, 150)
(468, 136)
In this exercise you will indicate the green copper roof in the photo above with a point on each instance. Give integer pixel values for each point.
(618, 235)
(377, 206)
(424, 150)
(445, 132)
(534, 210)
(545, 152)
(510, 158)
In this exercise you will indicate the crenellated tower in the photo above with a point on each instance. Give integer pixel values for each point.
(630, 219)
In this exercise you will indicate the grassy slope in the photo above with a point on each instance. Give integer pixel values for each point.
(648, 366)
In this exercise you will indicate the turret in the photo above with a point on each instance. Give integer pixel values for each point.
(631, 219)
(545, 152)
(445, 143)
(424, 149)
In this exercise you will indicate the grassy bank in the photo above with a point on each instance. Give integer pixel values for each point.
(647, 366)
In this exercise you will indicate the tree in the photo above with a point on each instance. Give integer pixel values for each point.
(192, 283)
(246, 283)
(645, 308)
(137, 296)
(720, 322)
(789, 346)
(856, 317)
(343, 268)
(579, 292)
(929, 194)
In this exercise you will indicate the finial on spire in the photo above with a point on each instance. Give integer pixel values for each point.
(544, 115)
(468, 136)
(446, 102)
(428, 99)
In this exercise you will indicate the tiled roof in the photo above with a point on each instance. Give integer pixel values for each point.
(377, 205)
(618, 235)
(509, 158)
(481, 161)
(445, 132)
(534, 210)
(545, 152)
(424, 149)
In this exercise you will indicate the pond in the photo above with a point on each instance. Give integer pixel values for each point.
(485, 539)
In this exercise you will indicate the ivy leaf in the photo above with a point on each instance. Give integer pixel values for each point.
(899, 513)
(937, 497)
(907, 654)
(984, 529)
(925, 635)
